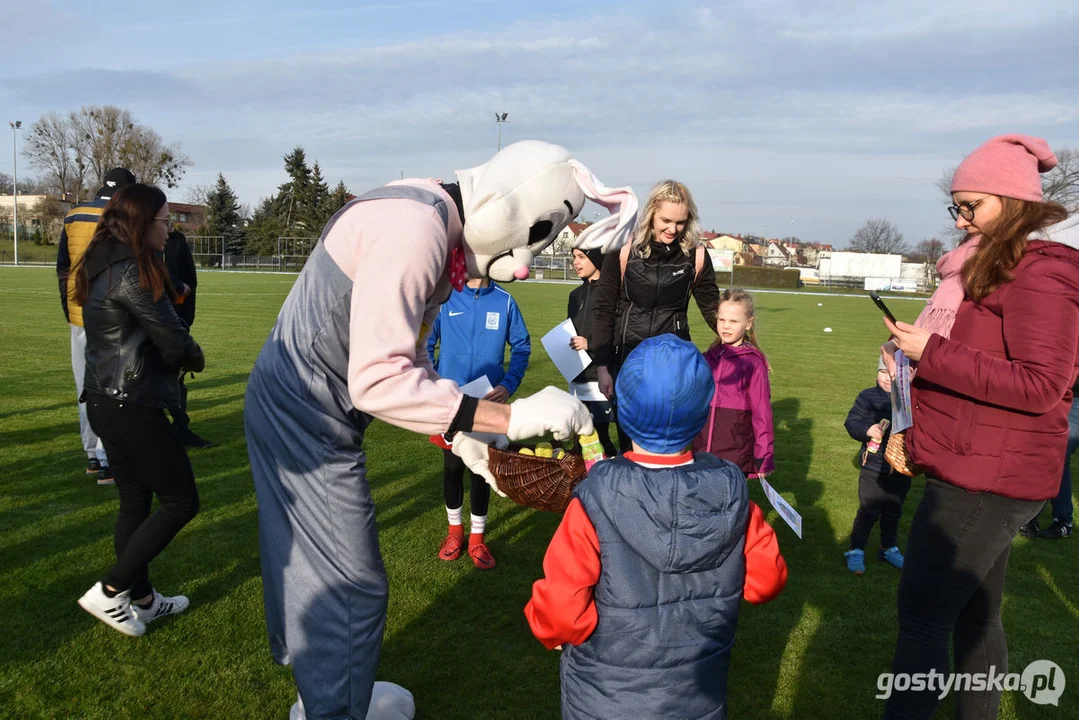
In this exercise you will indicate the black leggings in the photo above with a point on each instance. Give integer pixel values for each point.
(951, 589)
(453, 486)
(880, 495)
(147, 459)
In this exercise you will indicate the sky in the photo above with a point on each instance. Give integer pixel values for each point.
(783, 117)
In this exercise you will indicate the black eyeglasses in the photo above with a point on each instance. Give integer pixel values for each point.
(964, 210)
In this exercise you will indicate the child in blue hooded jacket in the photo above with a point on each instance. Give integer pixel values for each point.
(644, 578)
(471, 331)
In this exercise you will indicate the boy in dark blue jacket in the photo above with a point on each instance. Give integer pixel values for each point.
(644, 578)
(881, 490)
(471, 330)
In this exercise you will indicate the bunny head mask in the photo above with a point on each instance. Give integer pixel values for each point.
(516, 204)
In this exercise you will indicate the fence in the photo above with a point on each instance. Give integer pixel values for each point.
(211, 251)
(292, 252)
(30, 253)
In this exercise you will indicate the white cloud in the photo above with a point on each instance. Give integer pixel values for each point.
(828, 112)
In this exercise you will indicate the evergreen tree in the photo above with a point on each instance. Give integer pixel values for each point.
(264, 229)
(337, 199)
(314, 202)
(223, 217)
(291, 203)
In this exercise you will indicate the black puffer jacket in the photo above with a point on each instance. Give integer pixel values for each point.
(135, 347)
(651, 300)
(181, 267)
(580, 310)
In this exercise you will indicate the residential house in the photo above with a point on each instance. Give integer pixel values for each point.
(37, 213)
(734, 243)
(777, 254)
(565, 240)
(747, 258)
(189, 219)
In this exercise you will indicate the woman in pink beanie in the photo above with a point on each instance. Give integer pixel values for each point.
(991, 398)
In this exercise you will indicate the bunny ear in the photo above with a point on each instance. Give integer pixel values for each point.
(612, 232)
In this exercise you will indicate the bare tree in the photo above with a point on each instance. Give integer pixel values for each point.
(1061, 184)
(930, 250)
(78, 149)
(198, 194)
(49, 213)
(878, 236)
(27, 185)
(52, 147)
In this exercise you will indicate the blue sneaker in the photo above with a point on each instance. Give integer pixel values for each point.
(855, 561)
(892, 556)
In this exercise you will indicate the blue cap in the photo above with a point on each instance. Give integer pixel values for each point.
(664, 391)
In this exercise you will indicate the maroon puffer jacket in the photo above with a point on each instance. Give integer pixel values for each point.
(991, 402)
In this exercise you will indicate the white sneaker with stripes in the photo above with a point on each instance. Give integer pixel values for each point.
(163, 605)
(116, 612)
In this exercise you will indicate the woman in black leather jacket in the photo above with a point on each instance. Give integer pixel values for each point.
(136, 348)
(644, 290)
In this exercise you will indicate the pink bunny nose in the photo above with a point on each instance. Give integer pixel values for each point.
(521, 273)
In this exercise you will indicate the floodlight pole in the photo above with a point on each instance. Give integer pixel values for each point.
(500, 118)
(15, 183)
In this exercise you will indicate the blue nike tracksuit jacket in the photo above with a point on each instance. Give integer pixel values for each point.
(472, 329)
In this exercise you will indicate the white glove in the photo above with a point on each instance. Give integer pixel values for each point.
(473, 451)
(391, 702)
(388, 702)
(497, 439)
(550, 411)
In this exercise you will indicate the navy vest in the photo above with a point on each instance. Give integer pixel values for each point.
(672, 544)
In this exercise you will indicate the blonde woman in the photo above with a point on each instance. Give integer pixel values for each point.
(644, 290)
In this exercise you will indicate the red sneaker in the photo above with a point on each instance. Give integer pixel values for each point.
(481, 556)
(451, 546)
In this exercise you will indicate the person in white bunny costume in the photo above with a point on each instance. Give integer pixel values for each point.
(348, 347)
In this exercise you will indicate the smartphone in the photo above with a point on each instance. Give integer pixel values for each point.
(883, 308)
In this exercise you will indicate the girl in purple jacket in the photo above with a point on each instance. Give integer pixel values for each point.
(739, 425)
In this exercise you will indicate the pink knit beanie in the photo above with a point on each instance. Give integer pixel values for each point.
(1008, 166)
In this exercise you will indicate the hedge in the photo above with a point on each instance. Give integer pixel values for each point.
(760, 277)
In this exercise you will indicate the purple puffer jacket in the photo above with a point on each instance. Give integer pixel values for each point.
(739, 427)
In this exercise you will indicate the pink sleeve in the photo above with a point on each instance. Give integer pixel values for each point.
(760, 402)
(398, 254)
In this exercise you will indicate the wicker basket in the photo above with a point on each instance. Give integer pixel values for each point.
(536, 482)
(896, 455)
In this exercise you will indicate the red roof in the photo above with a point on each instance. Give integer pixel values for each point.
(708, 235)
(578, 228)
(185, 208)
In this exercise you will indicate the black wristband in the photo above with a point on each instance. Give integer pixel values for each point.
(465, 417)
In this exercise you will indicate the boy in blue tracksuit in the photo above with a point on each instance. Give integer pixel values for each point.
(471, 330)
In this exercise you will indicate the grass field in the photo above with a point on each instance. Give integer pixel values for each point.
(456, 637)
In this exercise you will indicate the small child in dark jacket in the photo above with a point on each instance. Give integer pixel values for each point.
(580, 310)
(646, 573)
(881, 490)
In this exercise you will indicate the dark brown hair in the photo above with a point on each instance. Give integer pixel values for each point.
(1004, 242)
(129, 217)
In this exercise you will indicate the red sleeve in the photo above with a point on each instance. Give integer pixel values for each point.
(766, 570)
(562, 609)
(1041, 346)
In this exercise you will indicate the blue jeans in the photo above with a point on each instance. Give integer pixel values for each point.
(1062, 503)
